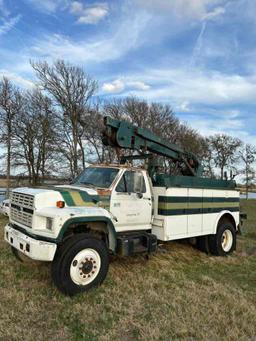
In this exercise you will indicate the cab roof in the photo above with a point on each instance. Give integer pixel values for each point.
(118, 166)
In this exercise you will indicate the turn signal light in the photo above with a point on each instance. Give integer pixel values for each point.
(60, 204)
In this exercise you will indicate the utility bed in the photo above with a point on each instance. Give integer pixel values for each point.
(187, 207)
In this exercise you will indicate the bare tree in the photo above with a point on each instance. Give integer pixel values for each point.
(208, 159)
(225, 151)
(34, 136)
(92, 122)
(162, 121)
(10, 106)
(71, 89)
(248, 157)
(190, 140)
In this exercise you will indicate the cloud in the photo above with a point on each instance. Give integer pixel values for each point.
(183, 9)
(183, 107)
(3, 9)
(210, 126)
(139, 85)
(9, 24)
(76, 7)
(48, 6)
(17, 79)
(105, 48)
(216, 121)
(198, 46)
(215, 13)
(196, 86)
(114, 87)
(89, 14)
(118, 86)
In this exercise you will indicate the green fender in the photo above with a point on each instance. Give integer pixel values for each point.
(110, 226)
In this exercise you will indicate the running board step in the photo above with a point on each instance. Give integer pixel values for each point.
(136, 242)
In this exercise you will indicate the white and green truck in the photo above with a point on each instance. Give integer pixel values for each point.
(121, 209)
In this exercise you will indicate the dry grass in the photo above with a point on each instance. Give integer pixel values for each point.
(180, 293)
(3, 183)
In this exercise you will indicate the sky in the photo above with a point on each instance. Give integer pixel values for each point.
(197, 55)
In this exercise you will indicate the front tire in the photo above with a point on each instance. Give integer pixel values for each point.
(223, 242)
(80, 264)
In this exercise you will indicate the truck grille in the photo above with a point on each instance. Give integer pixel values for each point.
(22, 207)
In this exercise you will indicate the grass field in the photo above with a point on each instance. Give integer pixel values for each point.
(180, 293)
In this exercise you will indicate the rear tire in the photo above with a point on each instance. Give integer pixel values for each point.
(80, 264)
(223, 242)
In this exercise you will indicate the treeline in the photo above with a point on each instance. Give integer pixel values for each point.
(55, 128)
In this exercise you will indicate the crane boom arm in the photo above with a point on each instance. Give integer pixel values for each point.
(123, 134)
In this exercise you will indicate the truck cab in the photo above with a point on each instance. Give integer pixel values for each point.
(126, 192)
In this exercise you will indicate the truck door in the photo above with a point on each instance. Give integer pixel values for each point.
(131, 202)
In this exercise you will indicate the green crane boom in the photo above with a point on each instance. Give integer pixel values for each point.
(122, 134)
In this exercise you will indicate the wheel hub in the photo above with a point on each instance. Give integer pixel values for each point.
(85, 266)
(227, 240)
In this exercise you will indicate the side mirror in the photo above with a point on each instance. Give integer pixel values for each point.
(140, 195)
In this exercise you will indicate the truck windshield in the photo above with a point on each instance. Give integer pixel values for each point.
(97, 177)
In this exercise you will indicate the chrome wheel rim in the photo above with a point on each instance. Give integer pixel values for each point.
(85, 266)
(227, 240)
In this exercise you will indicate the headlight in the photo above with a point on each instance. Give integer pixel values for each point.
(49, 223)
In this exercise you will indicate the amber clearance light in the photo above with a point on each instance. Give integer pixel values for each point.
(60, 204)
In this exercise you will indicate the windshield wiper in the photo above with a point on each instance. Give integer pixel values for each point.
(87, 183)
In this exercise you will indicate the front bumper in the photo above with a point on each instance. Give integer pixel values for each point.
(33, 248)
